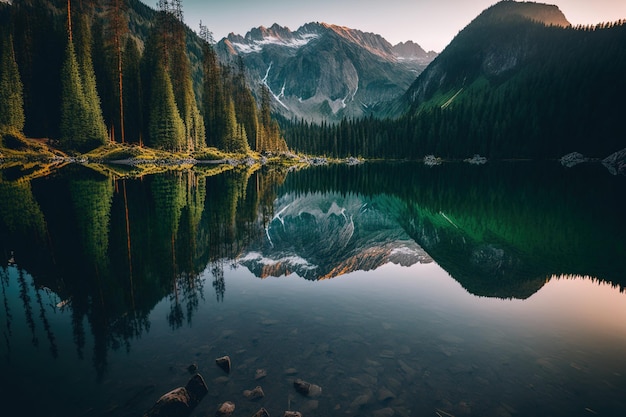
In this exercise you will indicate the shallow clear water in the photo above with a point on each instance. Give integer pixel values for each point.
(379, 338)
(413, 331)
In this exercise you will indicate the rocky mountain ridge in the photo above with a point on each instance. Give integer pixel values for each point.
(323, 71)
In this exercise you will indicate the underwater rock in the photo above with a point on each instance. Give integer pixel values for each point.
(192, 368)
(181, 401)
(225, 409)
(306, 388)
(254, 394)
(360, 401)
(292, 414)
(224, 363)
(385, 395)
(261, 413)
(259, 374)
(616, 162)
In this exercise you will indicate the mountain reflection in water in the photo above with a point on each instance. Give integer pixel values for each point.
(92, 259)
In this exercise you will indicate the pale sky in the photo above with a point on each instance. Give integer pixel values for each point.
(430, 23)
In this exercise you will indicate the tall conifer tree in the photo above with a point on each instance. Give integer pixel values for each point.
(213, 102)
(180, 73)
(96, 132)
(167, 130)
(73, 105)
(11, 89)
(133, 105)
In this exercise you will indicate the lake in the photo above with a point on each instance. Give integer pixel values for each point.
(399, 289)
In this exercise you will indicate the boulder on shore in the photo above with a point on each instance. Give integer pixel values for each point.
(616, 162)
(180, 402)
(572, 159)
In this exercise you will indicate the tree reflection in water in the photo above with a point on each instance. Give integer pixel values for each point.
(110, 249)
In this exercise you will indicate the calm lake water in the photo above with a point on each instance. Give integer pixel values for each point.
(401, 290)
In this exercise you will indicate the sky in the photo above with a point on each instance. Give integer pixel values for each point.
(430, 23)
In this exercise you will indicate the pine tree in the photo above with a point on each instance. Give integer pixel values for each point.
(245, 105)
(213, 102)
(117, 28)
(11, 90)
(74, 113)
(133, 120)
(96, 132)
(235, 138)
(180, 73)
(167, 130)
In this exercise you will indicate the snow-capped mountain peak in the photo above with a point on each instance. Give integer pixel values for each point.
(256, 39)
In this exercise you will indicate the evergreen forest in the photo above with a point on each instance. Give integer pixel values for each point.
(86, 73)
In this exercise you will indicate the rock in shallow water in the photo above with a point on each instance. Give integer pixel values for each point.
(261, 413)
(225, 409)
(306, 388)
(224, 363)
(181, 401)
(254, 394)
(385, 395)
(192, 368)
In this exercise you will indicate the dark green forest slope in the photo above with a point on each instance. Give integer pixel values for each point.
(517, 82)
(94, 71)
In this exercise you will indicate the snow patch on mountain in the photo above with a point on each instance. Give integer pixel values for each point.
(258, 45)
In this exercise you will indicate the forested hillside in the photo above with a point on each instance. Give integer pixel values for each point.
(508, 86)
(83, 73)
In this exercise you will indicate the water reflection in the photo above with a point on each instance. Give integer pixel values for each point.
(107, 250)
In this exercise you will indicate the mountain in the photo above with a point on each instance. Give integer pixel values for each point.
(325, 72)
(489, 46)
(520, 81)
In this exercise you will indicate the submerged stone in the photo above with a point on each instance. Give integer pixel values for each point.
(254, 394)
(306, 388)
(180, 402)
(261, 413)
(385, 395)
(192, 368)
(224, 363)
(225, 409)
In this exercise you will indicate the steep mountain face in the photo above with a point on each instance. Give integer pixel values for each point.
(517, 82)
(498, 41)
(326, 235)
(325, 72)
